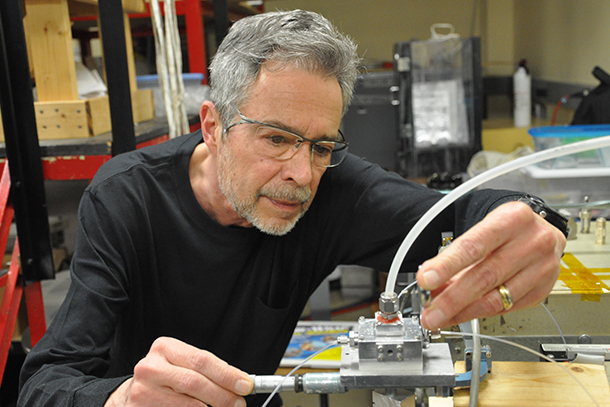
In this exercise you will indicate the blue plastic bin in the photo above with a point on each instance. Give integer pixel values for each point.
(554, 136)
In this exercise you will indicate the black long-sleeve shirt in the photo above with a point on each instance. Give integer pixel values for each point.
(150, 262)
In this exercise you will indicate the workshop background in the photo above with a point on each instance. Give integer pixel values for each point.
(562, 41)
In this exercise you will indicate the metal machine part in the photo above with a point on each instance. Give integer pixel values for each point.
(389, 353)
(310, 383)
(585, 218)
(394, 398)
(600, 231)
(566, 352)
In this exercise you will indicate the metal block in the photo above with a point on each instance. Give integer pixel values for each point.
(393, 398)
(437, 371)
(396, 345)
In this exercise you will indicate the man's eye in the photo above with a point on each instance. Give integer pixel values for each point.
(323, 149)
(277, 139)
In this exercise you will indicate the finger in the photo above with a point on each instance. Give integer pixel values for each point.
(491, 304)
(154, 375)
(197, 386)
(207, 364)
(534, 261)
(527, 288)
(499, 227)
(141, 394)
(470, 285)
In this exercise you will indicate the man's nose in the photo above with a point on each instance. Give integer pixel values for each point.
(299, 167)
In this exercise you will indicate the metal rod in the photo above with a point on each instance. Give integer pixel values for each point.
(22, 148)
(112, 27)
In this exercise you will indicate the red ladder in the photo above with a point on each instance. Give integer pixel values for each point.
(13, 284)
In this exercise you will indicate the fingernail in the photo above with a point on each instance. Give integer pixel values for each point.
(240, 402)
(434, 319)
(432, 279)
(243, 387)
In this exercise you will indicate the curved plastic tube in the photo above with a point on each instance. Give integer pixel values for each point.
(448, 199)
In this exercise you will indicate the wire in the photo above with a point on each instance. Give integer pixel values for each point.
(598, 205)
(449, 333)
(407, 289)
(556, 324)
(563, 100)
(297, 367)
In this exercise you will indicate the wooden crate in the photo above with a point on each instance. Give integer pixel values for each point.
(60, 114)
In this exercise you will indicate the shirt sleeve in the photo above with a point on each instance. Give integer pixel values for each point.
(68, 365)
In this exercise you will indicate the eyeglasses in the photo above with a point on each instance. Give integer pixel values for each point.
(281, 144)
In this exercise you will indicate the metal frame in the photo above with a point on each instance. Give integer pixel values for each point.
(22, 148)
(117, 76)
(14, 284)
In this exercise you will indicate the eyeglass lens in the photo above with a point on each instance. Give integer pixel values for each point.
(276, 143)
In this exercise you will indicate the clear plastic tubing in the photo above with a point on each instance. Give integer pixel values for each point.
(591, 144)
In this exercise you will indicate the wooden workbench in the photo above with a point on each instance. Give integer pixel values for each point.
(539, 384)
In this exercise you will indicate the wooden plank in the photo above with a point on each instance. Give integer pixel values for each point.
(72, 119)
(143, 105)
(62, 119)
(132, 6)
(539, 384)
(131, 63)
(50, 42)
(78, 8)
(100, 115)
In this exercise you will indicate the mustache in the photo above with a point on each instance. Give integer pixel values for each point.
(293, 194)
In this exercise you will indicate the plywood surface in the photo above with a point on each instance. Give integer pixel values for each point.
(539, 384)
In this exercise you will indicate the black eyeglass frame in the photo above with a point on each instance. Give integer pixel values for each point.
(342, 142)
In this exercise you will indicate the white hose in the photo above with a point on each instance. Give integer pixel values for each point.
(490, 174)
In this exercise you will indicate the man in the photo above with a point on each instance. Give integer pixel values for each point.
(195, 258)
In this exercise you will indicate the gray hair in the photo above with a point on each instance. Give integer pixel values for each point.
(298, 38)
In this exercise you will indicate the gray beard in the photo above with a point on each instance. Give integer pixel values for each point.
(247, 208)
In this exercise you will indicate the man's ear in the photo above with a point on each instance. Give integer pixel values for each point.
(211, 126)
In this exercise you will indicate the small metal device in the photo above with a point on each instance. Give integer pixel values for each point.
(566, 352)
(390, 353)
(600, 231)
(585, 218)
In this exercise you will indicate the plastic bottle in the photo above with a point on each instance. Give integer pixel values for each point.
(522, 85)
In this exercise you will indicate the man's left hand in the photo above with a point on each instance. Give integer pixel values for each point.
(512, 246)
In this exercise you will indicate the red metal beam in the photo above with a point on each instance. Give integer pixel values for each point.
(10, 308)
(35, 310)
(72, 167)
(195, 38)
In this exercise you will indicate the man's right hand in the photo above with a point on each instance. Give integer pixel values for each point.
(177, 374)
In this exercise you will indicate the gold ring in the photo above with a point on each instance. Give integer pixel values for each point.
(507, 299)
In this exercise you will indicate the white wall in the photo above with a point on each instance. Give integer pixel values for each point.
(562, 39)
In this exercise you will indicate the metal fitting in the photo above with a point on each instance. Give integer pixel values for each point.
(585, 217)
(388, 303)
(600, 231)
(425, 297)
